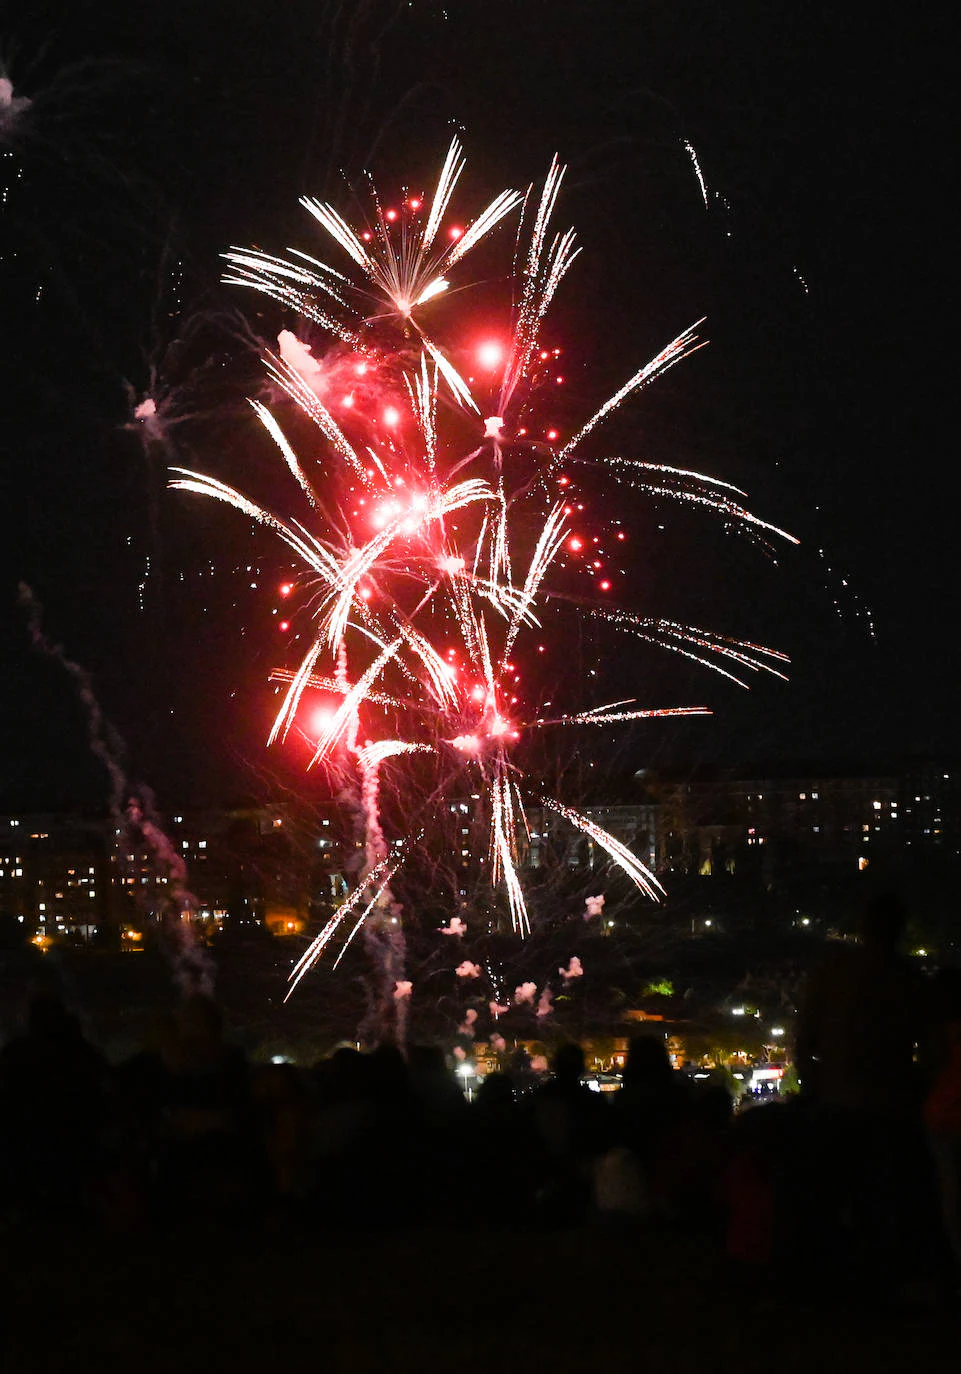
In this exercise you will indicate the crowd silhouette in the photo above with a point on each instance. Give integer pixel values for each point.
(852, 1183)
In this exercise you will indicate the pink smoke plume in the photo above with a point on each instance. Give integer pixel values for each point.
(593, 906)
(544, 1007)
(298, 355)
(497, 1009)
(10, 105)
(467, 1026)
(131, 813)
(525, 993)
(456, 927)
(575, 969)
(468, 970)
(498, 1043)
(459, 1053)
(403, 988)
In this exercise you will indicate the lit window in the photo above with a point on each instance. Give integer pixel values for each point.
(201, 844)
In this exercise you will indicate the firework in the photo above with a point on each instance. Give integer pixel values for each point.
(431, 541)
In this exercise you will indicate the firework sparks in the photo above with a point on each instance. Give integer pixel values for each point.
(416, 515)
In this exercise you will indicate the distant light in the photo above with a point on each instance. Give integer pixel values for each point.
(286, 588)
(777, 1031)
(391, 415)
(284, 625)
(552, 434)
(455, 231)
(737, 1011)
(391, 215)
(414, 203)
(465, 1070)
(575, 544)
(605, 586)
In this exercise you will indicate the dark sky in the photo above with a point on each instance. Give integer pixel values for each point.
(155, 140)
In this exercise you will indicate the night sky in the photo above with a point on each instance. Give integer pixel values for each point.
(156, 139)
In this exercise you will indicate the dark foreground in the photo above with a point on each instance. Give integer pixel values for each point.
(453, 1299)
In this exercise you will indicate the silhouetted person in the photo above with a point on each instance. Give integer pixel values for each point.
(942, 1109)
(206, 1155)
(651, 1101)
(574, 1129)
(53, 1103)
(504, 1149)
(863, 1033)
